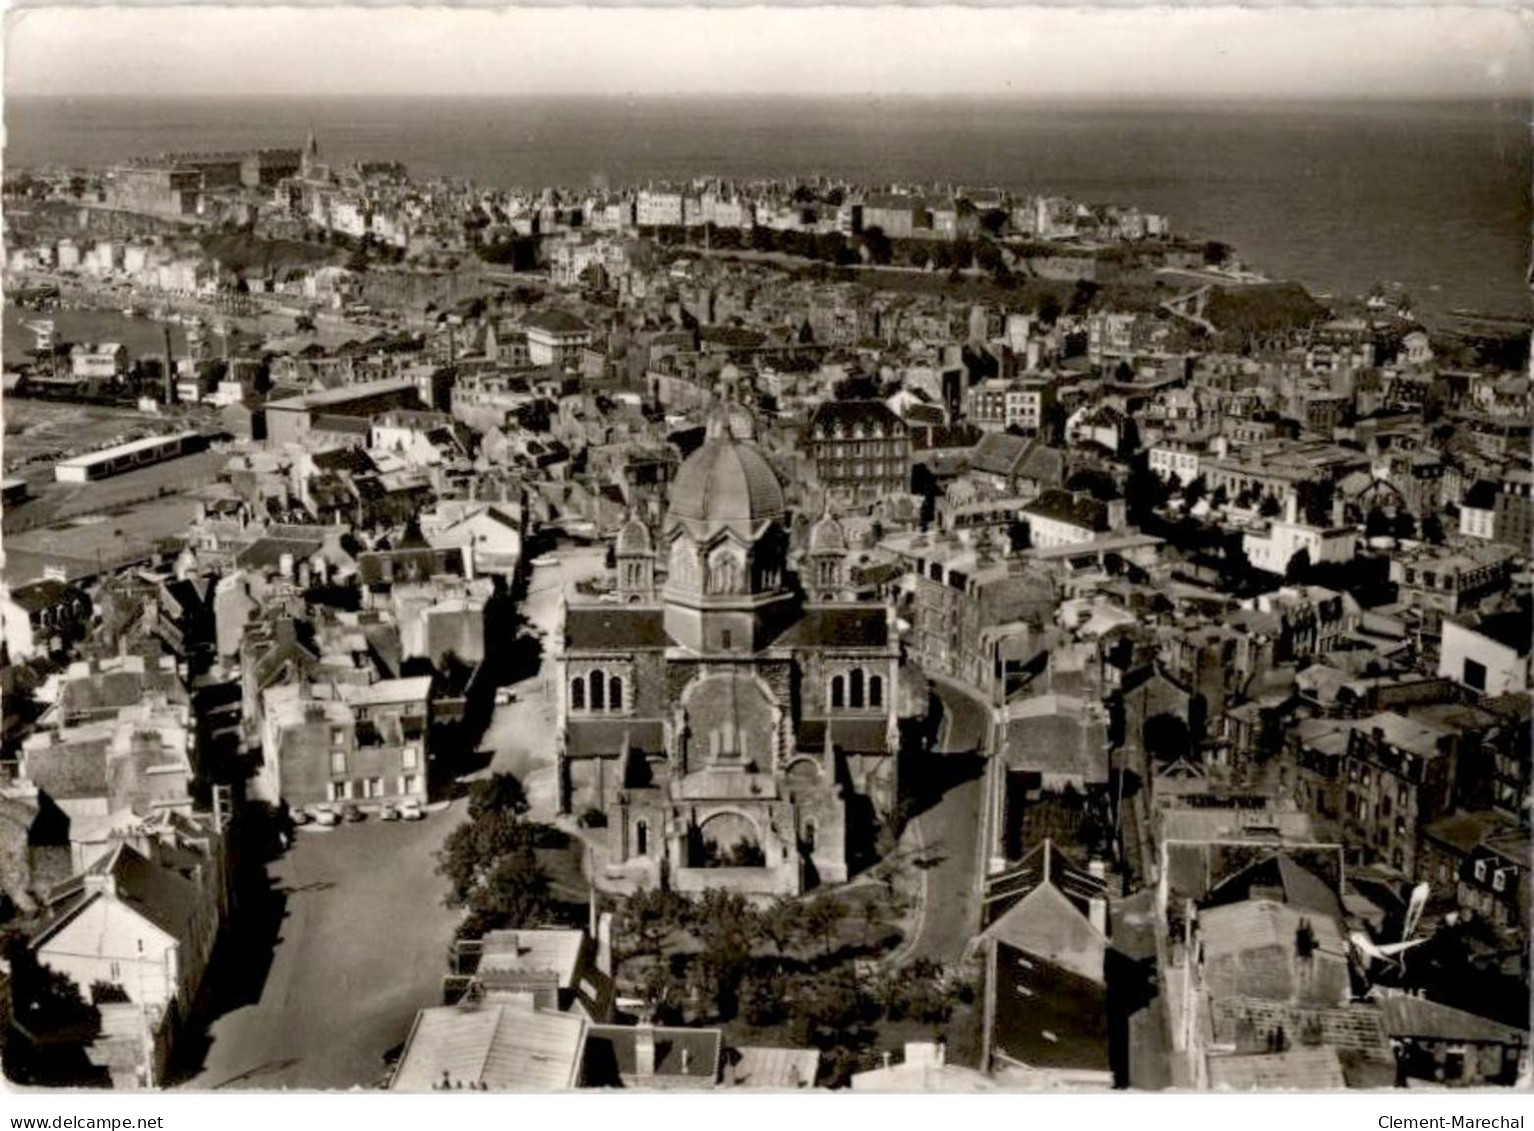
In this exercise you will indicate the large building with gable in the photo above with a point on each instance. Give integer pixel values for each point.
(733, 721)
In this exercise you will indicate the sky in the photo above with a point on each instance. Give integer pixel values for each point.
(1038, 52)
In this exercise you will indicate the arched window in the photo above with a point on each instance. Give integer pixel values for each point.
(641, 839)
(875, 691)
(614, 693)
(598, 690)
(855, 698)
(577, 694)
(836, 691)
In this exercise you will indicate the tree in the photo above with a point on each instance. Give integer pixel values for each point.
(1216, 253)
(1314, 501)
(472, 851)
(1194, 490)
(1404, 525)
(822, 917)
(1269, 507)
(781, 922)
(878, 245)
(650, 915)
(1376, 524)
(1144, 490)
(499, 793)
(1220, 496)
(856, 387)
(722, 920)
(516, 893)
(1299, 566)
(1049, 310)
(1432, 530)
(1019, 536)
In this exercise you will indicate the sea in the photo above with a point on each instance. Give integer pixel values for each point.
(1431, 196)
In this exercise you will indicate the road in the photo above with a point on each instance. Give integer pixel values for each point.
(949, 828)
(521, 734)
(327, 977)
(360, 945)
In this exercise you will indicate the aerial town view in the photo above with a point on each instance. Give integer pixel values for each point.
(798, 595)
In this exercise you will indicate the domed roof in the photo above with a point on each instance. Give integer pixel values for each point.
(726, 481)
(634, 538)
(827, 537)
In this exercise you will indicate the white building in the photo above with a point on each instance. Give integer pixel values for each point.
(1176, 459)
(1272, 551)
(1493, 658)
(658, 209)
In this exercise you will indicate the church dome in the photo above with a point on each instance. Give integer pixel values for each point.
(634, 538)
(827, 537)
(727, 480)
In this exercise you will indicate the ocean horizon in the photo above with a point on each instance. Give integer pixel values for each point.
(1433, 195)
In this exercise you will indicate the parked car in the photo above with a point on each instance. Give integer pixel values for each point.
(326, 817)
(350, 812)
(300, 817)
(388, 812)
(411, 811)
(504, 696)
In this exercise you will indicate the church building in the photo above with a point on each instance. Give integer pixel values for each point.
(734, 722)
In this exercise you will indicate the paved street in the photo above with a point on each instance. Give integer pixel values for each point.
(361, 937)
(521, 734)
(328, 979)
(949, 828)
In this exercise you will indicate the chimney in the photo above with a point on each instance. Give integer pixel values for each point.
(644, 1050)
(1097, 912)
(605, 943)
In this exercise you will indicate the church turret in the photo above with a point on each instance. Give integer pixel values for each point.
(726, 589)
(635, 554)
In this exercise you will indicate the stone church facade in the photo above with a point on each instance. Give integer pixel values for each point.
(733, 731)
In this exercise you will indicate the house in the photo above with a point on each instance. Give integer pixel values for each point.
(1273, 951)
(42, 617)
(861, 449)
(1493, 657)
(651, 1057)
(552, 968)
(1274, 549)
(1047, 1002)
(1067, 518)
(488, 534)
(142, 920)
(345, 742)
(491, 1047)
(1057, 740)
(556, 337)
(1450, 1047)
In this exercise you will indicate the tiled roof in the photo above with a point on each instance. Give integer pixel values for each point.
(840, 626)
(588, 738)
(1046, 1016)
(1309, 1069)
(1245, 1022)
(1407, 1016)
(503, 1048)
(683, 1054)
(852, 735)
(603, 628)
(1077, 510)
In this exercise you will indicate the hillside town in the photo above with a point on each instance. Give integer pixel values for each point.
(770, 636)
